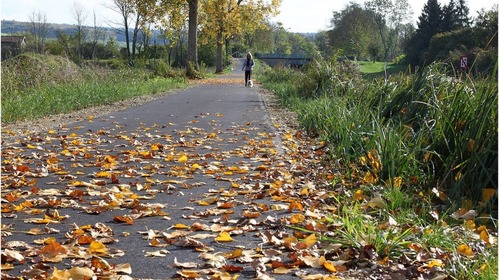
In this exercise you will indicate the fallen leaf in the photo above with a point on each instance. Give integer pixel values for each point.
(465, 250)
(224, 237)
(97, 248)
(329, 266)
(52, 249)
(123, 219)
(184, 264)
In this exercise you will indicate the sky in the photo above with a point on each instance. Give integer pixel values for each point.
(295, 15)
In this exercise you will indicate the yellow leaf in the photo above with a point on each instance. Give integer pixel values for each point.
(180, 226)
(224, 237)
(102, 174)
(465, 250)
(433, 263)
(358, 195)
(208, 201)
(97, 248)
(60, 274)
(7, 266)
(182, 159)
(310, 240)
(304, 191)
(397, 182)
(297, 218)
(238, 252)
(469, 224)
(329, 266)
(370, 178)
(487, 194)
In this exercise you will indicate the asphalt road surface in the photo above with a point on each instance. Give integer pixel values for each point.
(203, 155)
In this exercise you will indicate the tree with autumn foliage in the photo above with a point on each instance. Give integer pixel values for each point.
(223, 19)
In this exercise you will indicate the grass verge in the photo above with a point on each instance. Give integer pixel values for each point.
(34, 86)
(417, 163)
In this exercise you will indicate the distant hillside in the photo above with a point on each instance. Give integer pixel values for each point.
(12, 27)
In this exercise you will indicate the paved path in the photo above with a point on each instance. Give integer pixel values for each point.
(201, 158)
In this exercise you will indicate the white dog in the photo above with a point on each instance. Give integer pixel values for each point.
(250, 83)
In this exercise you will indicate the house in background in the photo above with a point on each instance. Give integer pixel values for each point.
(12, 46)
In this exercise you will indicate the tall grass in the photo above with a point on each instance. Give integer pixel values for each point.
(426, 130)
(418, 141)
(36, 85)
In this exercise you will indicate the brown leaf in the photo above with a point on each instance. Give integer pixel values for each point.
(52, 249)
(123, 219)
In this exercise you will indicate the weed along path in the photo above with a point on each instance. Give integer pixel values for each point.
(191, 185)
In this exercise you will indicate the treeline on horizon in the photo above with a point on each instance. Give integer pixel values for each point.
(374, 31)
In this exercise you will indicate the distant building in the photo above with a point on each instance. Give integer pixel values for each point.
(12, 46)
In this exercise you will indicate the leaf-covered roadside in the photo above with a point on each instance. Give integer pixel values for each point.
(252, 211)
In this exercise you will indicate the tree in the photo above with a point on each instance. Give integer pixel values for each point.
(222, 19)
(455, 16)
(389, 16)
(463, 14)
(38, 28)
(192, 39)
(80, 17)
(353, 30)
(96, 36)
(125, 9)
(262, 39)
(429, 24)
(281, 39)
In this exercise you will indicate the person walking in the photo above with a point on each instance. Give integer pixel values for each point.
(248, 68)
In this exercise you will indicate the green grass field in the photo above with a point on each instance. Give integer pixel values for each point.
(375, 69)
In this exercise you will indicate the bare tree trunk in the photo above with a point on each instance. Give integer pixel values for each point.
(192, 48)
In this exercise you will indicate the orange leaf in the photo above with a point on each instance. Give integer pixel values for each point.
(52, 249)
(251, 214)
(295, 205)
(123, 219)
(226, 205)
(484, 236)
(465, 250)
(85, 239)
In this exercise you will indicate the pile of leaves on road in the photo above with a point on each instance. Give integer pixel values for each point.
(310, 220)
